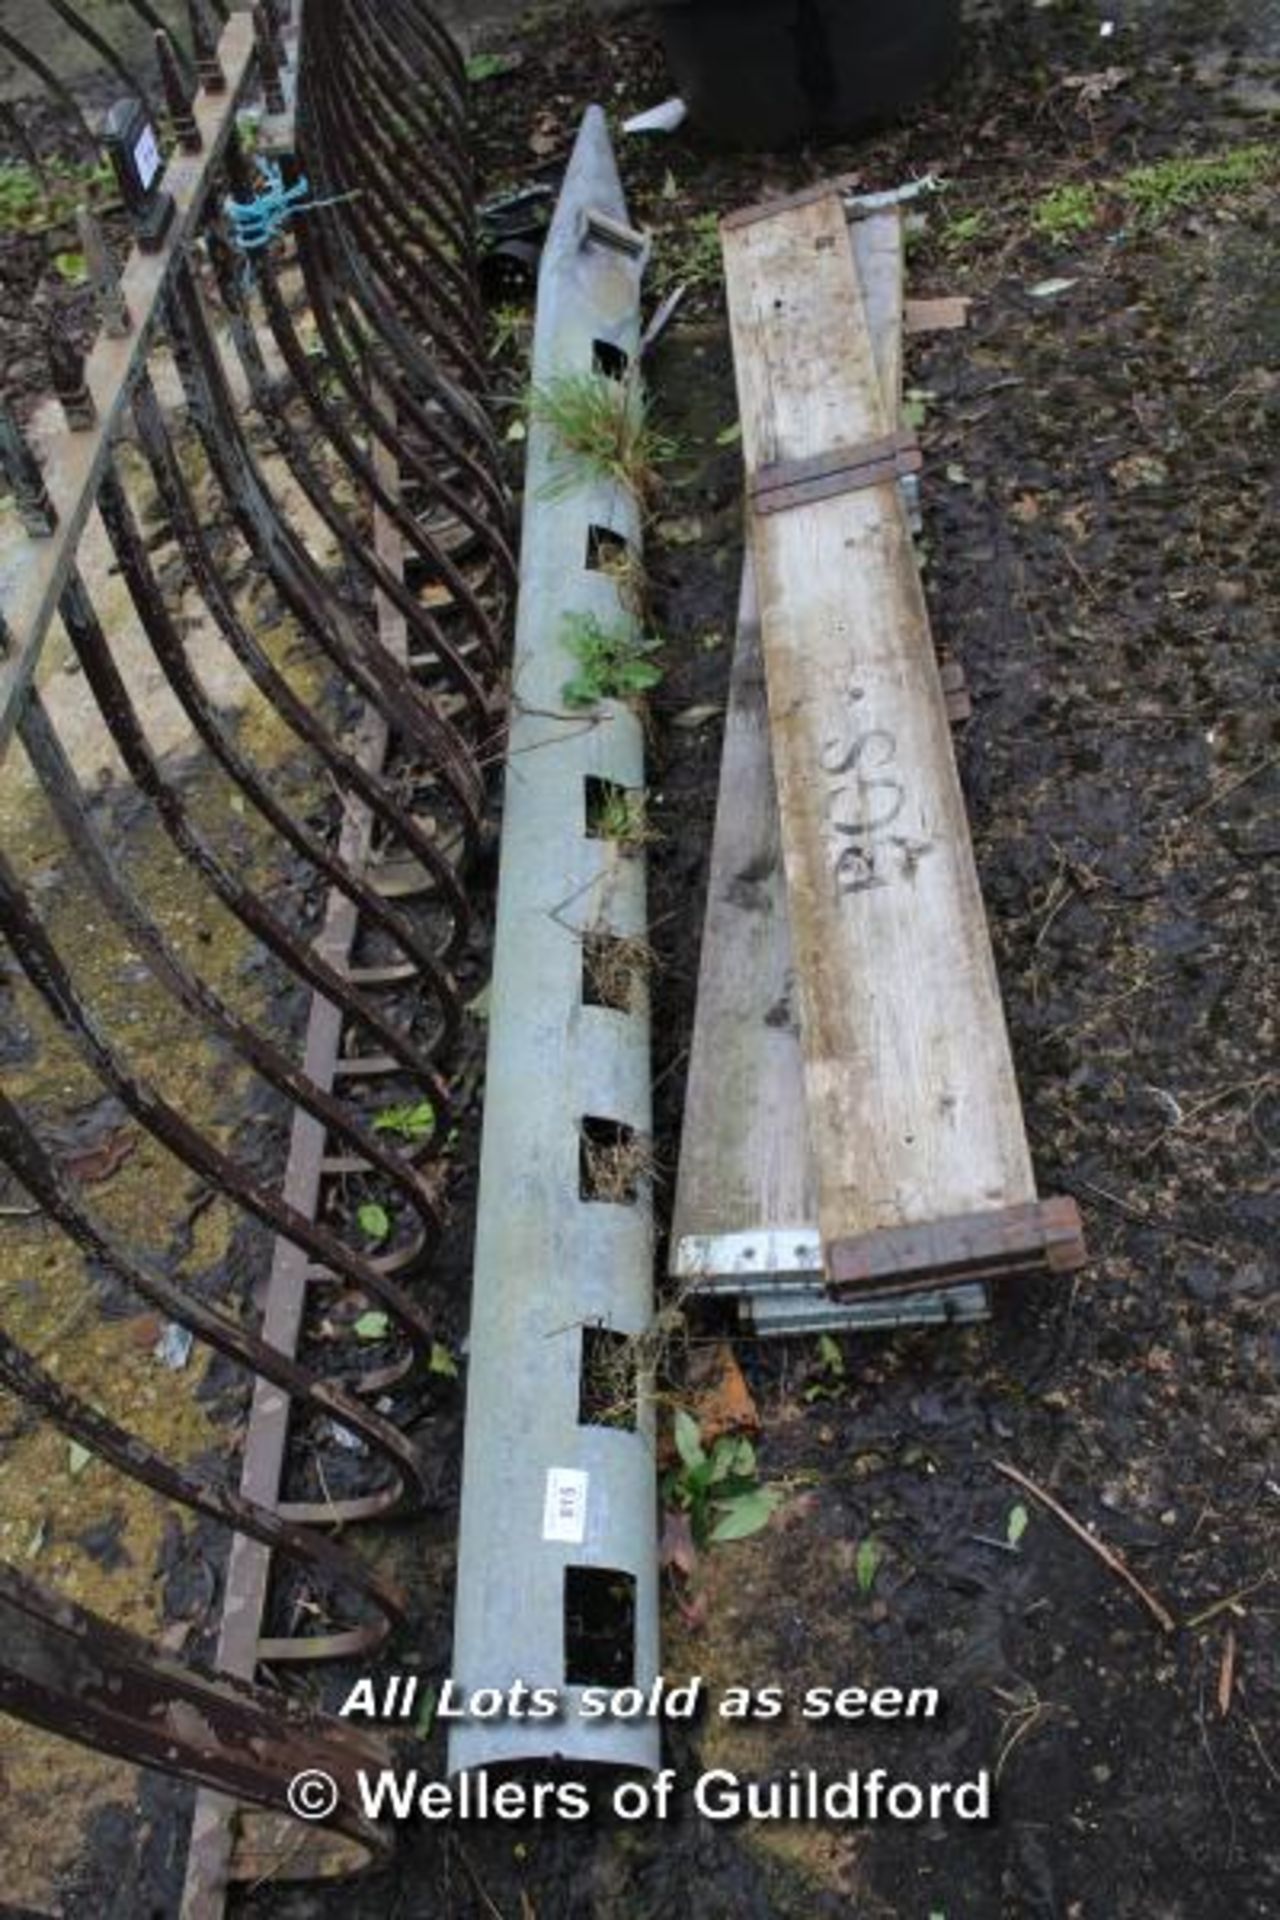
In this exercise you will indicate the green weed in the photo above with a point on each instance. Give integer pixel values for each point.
(961, 232)
(720, 1491)
(613, 662)
(414, 1122)
(601, 427)
(1165, 186)
(689, 255)
(623, 818)
(28, 201)
(1064, 212)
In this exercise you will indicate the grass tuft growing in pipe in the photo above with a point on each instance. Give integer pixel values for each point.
(602, 430)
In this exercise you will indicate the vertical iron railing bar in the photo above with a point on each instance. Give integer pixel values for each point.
(458, 405)
(87, 32)
(345, 269)
(273, 406)
(449, 208)
(299, 956)
(445, 570)
(440, 49)
(60, 91)
(443, 316)
(43, 966)
(45, 1181)
(168, 648)
(66, 797)
(80, 1676)
(135, 1457)
(443, 136)
(373, 788)
(17, 133)
(329, 300)
(158, 24)
(354, 458)
(120, 714)
(310, 596)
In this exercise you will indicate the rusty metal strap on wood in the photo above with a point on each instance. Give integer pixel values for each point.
(1041, 1236)
(797, 483)
(838, 183)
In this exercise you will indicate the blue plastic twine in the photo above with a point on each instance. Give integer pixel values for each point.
(255, 223)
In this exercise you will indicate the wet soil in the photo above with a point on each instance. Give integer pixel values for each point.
(1098, 488)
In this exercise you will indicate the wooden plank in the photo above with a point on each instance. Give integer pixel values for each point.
(744, 1152)
(912, 1102)
(745, 1163)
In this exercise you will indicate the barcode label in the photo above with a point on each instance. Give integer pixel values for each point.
(564, 1513)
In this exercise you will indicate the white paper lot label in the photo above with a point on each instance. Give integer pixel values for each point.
(564, 1512)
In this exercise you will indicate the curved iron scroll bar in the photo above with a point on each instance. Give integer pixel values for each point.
(392, 293)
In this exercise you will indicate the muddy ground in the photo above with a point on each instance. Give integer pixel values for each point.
(1098, 497)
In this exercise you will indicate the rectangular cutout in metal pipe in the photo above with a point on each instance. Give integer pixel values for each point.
(606, 550)
(614, 811)
(613, 1161)
(599, 1627)
(613, 969)
(607, 1380)
(610, 360)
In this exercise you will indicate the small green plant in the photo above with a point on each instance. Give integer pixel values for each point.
(689, 255)
(866, 1565)
(485, 66)
(511, 327)
(601, 427)
(1155, 191)
(1064, 212)
(720, 1491)
(622, 817)
(1016, 1525)
(831, 1381)
(414, 1122)
(373, 1221)
(963, 230)
(71, 267)
(31, 200)
(613, 662)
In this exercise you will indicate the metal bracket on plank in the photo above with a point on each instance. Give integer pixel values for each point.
(797, 483)
(1038, 1236)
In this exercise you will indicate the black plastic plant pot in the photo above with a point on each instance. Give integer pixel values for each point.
(771, 73)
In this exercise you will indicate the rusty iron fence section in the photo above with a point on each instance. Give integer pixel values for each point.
(336, 358)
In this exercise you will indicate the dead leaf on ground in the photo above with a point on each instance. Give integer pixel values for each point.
(547, 135)
(677, 1550)
(1227, 1673)
(97, 1163)
(721, 1399)
(1139, 470)
(1089, 88)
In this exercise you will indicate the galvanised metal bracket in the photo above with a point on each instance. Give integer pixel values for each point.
(557, 1573)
